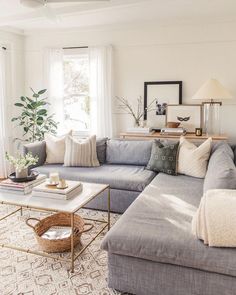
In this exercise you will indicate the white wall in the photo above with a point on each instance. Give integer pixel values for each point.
(151, 53)
(16, 75)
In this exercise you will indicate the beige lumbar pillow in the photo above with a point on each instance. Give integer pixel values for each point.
(193, 159)
(55, 148)
(81, 153)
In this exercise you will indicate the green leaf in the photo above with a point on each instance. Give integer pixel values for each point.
(23, 98)
(18, 104)
(29, 106)
(42, 112)
(35, 95)
(29, 99)
(26, 129)
(42, 91)
(14, 119)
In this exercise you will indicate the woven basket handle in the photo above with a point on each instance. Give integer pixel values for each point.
(85, 230)
(31, 219)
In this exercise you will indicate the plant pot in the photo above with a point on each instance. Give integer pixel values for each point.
(22, 173)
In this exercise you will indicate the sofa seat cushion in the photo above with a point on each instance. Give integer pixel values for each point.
(157, 227)
(122, 177)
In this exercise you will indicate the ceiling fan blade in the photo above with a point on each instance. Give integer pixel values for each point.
(47, 12)
(75, 1)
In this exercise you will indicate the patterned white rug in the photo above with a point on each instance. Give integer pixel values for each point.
(27, 274)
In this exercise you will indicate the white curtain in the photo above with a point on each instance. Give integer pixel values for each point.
(4, 137)
(101, 90)
(53, 81)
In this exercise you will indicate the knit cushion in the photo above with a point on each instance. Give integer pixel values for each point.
(163, 157)
(193, 159)
(55, 148)
(81, 152)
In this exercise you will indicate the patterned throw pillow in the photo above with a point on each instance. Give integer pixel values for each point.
(81, 153)
(164, 157)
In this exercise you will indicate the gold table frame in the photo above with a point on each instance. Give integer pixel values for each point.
(74, 256)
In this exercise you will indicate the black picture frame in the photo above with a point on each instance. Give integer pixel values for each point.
(146, 84)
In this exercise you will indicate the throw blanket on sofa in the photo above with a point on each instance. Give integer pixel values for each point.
(215, 219)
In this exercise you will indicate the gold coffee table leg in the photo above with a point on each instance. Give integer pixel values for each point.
(109, 208)
(72, 242)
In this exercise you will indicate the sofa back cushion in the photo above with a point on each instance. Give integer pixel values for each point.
(101, 149)
(221, 172)
(37, 148)
(128, 152)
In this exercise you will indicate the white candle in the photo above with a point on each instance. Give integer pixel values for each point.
(54, 177)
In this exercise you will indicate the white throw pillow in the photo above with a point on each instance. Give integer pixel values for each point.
(55, 148)
(81, 153)
(193, 159)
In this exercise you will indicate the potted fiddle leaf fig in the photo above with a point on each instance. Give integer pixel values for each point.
(34, 117)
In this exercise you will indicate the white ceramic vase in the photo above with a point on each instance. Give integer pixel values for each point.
(21, 173)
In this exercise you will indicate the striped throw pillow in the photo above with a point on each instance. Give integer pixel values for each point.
(81, 153)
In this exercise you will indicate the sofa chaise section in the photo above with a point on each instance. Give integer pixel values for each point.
(126, 182)
(153, 239)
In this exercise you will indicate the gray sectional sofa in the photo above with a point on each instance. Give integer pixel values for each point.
(151, 250)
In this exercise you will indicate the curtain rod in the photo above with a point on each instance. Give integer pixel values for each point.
(80, 47)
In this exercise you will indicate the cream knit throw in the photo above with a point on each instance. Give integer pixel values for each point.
(215, 219)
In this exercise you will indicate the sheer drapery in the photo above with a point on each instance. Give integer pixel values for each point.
(53, 81)
(101, 90)
(4, 137)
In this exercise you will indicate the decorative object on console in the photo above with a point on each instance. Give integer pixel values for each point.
(163, 157)
(21, 188)
(173, 131)
(140, 130)
(137, 113)
(189, 116)
(22, 164)
(34, 118)
(162, 93)
(81, 152)
(210, 91)
(55, 148)
(198, 131)
(193, 159)
(172, 124)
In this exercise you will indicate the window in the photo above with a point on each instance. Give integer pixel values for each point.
(76, 90)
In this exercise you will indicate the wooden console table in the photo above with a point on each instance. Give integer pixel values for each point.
(190, 136)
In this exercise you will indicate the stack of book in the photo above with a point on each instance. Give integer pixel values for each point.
(173, 131)
(140, 130)
(22, 188)
(43, 190)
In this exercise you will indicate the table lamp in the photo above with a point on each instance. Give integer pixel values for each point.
(212, 92)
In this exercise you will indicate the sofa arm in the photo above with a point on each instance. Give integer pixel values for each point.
(36, 149)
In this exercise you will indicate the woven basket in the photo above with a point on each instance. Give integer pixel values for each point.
(59, 219)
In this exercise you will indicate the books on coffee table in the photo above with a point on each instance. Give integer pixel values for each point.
(23, 188)
(45, 191)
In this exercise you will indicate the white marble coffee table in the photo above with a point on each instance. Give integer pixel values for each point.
(72, 206)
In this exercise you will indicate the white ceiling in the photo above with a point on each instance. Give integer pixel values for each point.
(72, 15)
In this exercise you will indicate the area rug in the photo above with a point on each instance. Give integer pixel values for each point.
(27, 274)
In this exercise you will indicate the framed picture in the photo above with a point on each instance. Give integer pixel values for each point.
(189, 116)
(157, 95)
